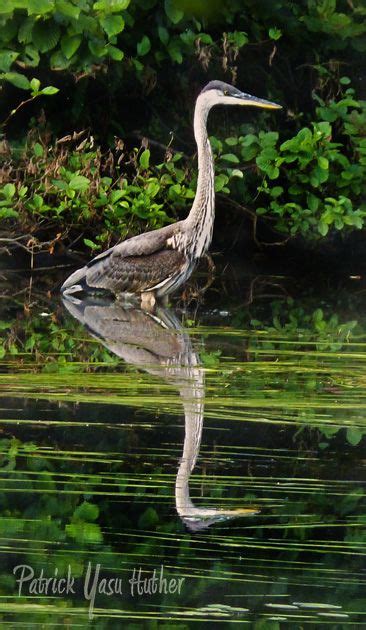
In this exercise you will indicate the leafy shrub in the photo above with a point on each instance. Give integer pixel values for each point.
(109, 195)
(85, 36)
(310, 183)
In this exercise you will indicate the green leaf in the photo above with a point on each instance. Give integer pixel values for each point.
(86, 512)
(323, 163)
(173, 12)
(90, 244)
(49, 90)
(237, 173)
(111, 6)
(58, 61)
(318, 315)
(70, 44)
(116, 195)
(354, 435)
(230, 157)
(25, 30)
(22, 191)
(45, 35)
(323, 228)
(79, 183)
(98, 48)
(40, 7)
(220, 181)
(313, 202)
(275, 33)
(8, 213)
(175, 52)
(115, 53)
(30, 56)
(268, 139)
(143, 46)
(19, 80)
(6, 6)
(148, 519)
(232, 141)
(8, 190)
(7, 57)
(145, 159)
(38, 149)
(163, 35)
(238, 38)
(68, 9)
(35, 84)
(276, 191)
(112, 24)
(273, 172)
(84, 532)
(250, 139)
(344, 80)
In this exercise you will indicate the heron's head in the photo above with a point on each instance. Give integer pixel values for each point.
(219, 93)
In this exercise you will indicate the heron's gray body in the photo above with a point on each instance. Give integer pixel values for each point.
(140, 264)
(159, 262)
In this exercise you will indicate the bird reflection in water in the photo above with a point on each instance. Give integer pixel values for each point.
(158, 344)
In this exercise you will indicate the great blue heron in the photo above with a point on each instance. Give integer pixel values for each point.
(154, 264)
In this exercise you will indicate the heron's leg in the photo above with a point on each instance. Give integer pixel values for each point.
(148, 301)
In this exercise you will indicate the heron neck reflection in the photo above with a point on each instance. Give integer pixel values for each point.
(158, 344)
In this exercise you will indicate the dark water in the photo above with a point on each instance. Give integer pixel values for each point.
(202, 465)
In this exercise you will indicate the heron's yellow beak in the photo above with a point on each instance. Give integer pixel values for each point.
(254, 101)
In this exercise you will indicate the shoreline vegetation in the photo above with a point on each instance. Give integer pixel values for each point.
(96, 118)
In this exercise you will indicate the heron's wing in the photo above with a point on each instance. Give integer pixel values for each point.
(127, 266)
(140, 245)
(134, 274)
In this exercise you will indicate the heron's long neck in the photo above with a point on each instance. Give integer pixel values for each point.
(201, 217)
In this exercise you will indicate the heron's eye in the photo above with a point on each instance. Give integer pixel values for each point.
(226, 92)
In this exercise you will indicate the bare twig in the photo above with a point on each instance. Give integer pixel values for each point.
(14, 111)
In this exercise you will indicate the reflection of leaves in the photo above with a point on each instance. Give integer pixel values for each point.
(148, 519)
(354, 435)
(210, 359)
(84, 532)
(296, 323)
(350, 501)
(86, 512)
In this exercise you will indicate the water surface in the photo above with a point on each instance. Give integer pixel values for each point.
(219, 442)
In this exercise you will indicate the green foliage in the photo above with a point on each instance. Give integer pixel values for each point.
(309, 183)
(309, 177)
(68, 35)
(88, 36)
(85, 36)
(68, 185)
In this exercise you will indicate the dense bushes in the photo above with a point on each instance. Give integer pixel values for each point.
(74, 183)
(128, 68)
(315, 180)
